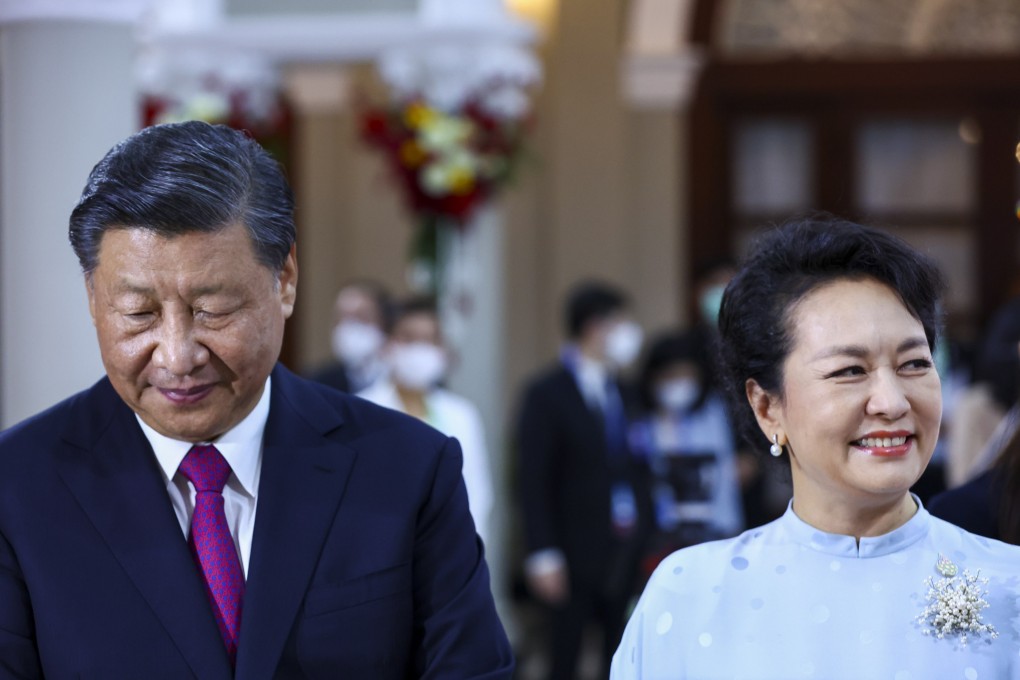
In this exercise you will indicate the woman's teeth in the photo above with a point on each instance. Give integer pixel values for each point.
(876, 442)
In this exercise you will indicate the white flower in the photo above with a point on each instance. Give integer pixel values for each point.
(955, 604)
(451, 173)
(445, 134)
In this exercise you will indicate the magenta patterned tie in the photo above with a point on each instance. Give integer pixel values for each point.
(211, 542)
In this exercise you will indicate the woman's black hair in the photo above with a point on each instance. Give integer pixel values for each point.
(787, 263)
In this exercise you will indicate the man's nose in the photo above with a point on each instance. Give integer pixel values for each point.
(178, 351)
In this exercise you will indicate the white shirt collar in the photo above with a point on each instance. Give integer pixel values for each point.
(241, 445)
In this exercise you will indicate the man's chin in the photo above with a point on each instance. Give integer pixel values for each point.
(185, 429)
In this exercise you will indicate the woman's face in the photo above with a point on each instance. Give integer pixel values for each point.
(861, 401)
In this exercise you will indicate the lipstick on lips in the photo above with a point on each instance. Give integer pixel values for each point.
(185, 397)
(885, 444)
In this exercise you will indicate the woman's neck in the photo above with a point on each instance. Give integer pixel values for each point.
(857, 519)
(413, 402)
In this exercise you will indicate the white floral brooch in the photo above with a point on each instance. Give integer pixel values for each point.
(955, 604)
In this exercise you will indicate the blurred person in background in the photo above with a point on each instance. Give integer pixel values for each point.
(687, 438)
(710, 281)
(984, 417)
(417, 364)
(580, 486)
(361, 316)
(764, 483)
(989, 502)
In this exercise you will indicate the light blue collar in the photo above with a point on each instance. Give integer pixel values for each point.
(802, 533)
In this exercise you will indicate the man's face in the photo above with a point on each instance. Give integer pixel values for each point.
(356, 304)
(189, 327)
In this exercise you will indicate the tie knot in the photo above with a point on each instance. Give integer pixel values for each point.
(206, 468)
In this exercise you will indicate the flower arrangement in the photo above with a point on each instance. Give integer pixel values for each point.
(955, 604)
(261, 111)
(446, 163)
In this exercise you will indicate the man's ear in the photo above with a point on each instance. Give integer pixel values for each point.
(288, 282)
(90, 291)
(767, 409)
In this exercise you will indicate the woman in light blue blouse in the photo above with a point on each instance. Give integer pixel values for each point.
(827, 335)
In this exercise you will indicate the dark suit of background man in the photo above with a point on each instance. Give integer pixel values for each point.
(346, 525)
(581, 492)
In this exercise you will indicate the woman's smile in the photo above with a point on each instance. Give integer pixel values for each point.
(885, 444)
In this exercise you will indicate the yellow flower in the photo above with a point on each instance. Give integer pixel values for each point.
(411, 154)
(419, 115)
(462, 181)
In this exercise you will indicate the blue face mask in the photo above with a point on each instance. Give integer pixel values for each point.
(710, 302)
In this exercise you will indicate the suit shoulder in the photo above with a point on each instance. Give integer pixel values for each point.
(45, 423)
(552, 379)
(366, 418)
(26, 439)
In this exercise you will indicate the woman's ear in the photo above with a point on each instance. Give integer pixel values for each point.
(767, 410)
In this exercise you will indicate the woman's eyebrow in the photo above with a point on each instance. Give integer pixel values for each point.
(860, 351)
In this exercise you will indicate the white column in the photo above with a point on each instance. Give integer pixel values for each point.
(66, 96)
(472, 311)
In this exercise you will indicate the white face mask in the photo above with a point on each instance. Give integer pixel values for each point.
(354, 342)
(623, 343)
(679, 394)
(417, 365)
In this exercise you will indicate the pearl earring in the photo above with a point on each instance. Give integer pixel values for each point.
(776, 449)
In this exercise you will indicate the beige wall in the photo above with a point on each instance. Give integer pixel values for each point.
(597, 197)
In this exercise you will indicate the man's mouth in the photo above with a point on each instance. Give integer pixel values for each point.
(185, 396)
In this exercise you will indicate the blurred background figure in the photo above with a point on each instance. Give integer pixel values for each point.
(710, 280)
(361, 316)
(763, 483)
(985, 498)
(983, 418)
(687, 438)
(417, 363)
(581, 489)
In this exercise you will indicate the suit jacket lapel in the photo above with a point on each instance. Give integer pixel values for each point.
(112, 472)
(303, 479)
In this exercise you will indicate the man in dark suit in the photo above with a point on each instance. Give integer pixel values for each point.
(200, 511)
(582, 495)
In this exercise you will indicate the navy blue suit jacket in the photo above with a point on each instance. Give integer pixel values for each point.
(364, 561)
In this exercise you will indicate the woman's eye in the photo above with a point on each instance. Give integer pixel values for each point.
(918, 364)
(847, 372)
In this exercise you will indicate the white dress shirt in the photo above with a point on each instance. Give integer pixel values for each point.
(241, 446)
